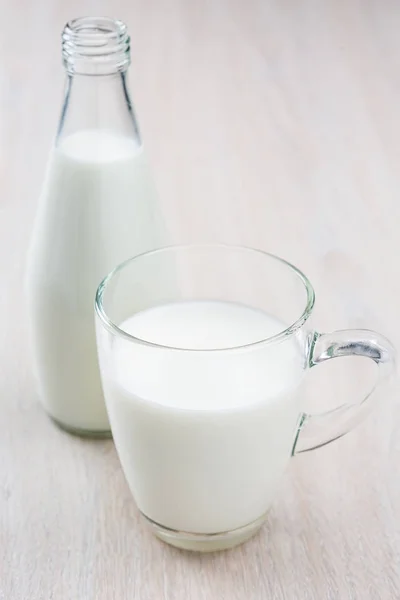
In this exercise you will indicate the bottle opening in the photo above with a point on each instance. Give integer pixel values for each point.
(95, 46)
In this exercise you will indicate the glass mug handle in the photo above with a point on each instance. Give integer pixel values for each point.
(314, 431)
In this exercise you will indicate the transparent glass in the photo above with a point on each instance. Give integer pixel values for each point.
(96, 55)
(204, 476)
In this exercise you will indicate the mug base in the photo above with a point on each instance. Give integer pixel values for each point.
(86, 433)
(204, 542)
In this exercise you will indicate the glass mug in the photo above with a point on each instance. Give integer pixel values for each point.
(202, 352)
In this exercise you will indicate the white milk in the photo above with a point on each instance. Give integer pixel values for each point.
(203, 437)
(98, 208)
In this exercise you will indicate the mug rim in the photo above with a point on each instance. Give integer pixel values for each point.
(113, 328)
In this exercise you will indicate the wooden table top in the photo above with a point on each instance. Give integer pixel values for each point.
(270, 124)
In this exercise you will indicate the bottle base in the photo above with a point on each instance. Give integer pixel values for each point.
(85, 433)
(204, 542)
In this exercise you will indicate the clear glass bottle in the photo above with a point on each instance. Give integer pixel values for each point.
(98, 207)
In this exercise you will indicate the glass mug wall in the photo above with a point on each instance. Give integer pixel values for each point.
(203, 351)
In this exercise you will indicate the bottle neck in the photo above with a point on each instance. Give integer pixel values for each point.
(95, 46)
(96, 56)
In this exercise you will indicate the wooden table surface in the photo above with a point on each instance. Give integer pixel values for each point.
(271, 124)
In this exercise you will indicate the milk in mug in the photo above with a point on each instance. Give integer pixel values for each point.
(203, 436)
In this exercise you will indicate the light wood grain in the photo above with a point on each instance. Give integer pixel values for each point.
(272, 124)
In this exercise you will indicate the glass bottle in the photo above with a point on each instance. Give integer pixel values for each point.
(98, 207)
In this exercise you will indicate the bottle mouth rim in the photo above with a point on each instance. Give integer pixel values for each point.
(95, 30)
(102, 41)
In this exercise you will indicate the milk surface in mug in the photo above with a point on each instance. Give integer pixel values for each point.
(204, 436)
